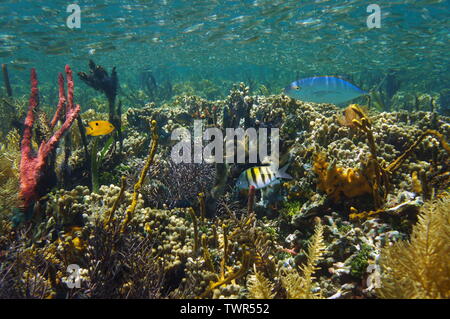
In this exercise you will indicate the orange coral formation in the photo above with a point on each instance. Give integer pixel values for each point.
(350, 113)
(338, 181)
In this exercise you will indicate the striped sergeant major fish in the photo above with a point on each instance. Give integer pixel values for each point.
(261, 176)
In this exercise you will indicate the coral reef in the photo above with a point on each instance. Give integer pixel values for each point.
(363, 199)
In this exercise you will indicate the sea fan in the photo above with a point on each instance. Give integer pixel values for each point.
(297, 286)
(259, 287)
(420, 268)
(301, 287)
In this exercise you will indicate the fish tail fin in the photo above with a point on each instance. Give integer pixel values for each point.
(281, 173)
(88, 130)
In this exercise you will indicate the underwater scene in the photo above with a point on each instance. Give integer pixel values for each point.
(222, 149)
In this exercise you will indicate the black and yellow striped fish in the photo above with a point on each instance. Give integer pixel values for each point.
(261, 176)
(96, 128)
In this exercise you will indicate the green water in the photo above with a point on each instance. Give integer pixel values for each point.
(258, 42)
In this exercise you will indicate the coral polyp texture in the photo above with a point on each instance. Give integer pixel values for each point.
(365, 215)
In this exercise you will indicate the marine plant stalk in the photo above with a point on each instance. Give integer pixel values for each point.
(251, 199)
(206, 254)
(225, 250)
(399, 160)
(380, 178)
(6, 80)
(194, 224)
(96, 161)
(94, 167)
(245, 266)
(215, 236)
(201, 200)
(84, 141)
(138, 185)
(110, 214)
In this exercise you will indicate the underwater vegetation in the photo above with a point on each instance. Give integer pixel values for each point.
(296, 285)
(368, 198)
(9, 170)
(419, 267)
(99, 80)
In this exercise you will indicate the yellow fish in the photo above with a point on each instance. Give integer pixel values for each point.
(97, 128)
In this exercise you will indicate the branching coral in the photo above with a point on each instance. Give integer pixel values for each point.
(373, 178)
(168, 249)
(381, 181)
(223, 280)
(33, 167)
(420, 268)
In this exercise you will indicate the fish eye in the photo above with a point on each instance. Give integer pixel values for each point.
(96, 124)
(296, 87)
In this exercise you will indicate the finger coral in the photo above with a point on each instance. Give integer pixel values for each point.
(33, 167)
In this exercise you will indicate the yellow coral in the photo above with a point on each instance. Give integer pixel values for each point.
(75, 241)
(338, 181)
(416, 183)
(9, 170)
(259, 287)
(245, 265)
(138, 185)
(420, 268)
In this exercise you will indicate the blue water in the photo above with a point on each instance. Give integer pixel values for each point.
(269, 42)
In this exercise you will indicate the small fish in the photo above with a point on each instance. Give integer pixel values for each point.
(323, 89)
(97, 128)
(261, 176)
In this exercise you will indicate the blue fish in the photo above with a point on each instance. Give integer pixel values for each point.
(323, 89)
